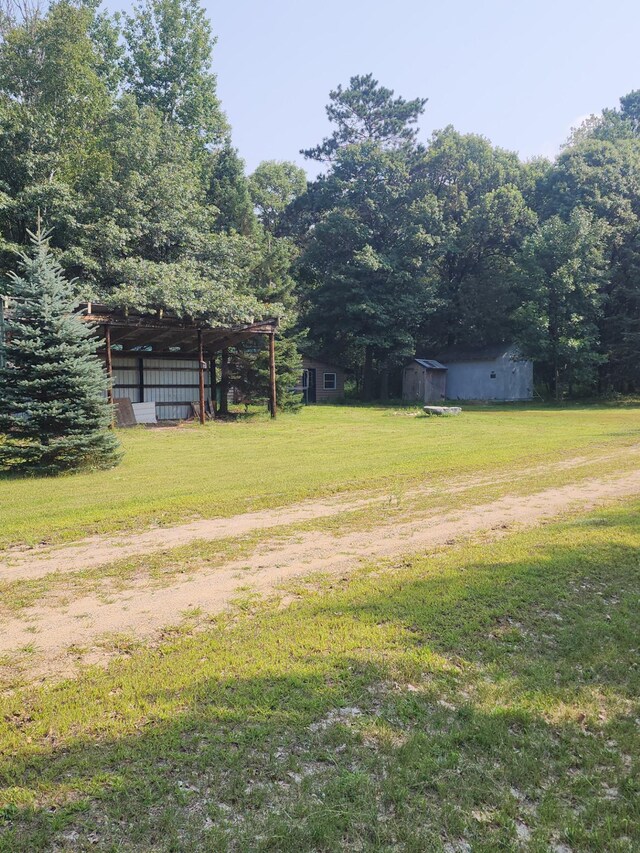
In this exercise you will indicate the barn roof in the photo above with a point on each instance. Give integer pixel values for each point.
(163, 333)
(430, 363)
(488, 352)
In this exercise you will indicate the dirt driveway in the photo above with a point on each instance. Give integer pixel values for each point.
(56, 637)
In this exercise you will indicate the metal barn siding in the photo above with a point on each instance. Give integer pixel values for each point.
(504, 378)
(126, 378)
(170, 383)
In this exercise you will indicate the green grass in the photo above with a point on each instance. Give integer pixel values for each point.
(224, 468)
(56, 589)
(481, 699)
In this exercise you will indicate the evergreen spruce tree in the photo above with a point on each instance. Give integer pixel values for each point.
(53, 409)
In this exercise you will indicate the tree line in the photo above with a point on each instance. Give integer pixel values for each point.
(408, 247)
(112, 129)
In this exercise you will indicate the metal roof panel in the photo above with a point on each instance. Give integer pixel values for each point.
(430, 364)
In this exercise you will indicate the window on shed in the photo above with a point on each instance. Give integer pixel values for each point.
(492, 375)
(330, 382)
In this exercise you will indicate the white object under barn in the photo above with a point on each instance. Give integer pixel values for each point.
(145, 413)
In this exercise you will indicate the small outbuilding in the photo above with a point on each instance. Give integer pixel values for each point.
(320, 382)
(424, 381)
(495, 372)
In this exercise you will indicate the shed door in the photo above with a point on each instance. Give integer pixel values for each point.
(309, 384)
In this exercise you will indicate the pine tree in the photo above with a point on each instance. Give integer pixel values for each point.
(53, 409)
(250, 370)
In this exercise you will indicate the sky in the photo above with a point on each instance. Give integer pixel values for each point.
(519, 72)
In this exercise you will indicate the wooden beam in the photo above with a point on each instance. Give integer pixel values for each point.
(224, 382)
(132, 336)
(109, 361)
(214, 388)
(201, 368)
(160, 319)
(272, 374)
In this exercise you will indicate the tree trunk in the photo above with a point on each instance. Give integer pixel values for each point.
(367, 379)
(384, 383)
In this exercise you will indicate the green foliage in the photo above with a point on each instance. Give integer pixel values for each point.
(189, 289)
(471, 281)
(274, 286)
(167, 65)
(151, 239)
(368, 247)
(52, 105)
(368, 112)
(562, 268)
(118, 139)
(53, 407)
(105, 33)
(479, 190)
(603, 176)
(111, 127)
(368, 258)
(250, 370)
(50, 82)
(403, 244)
(229, 191)
(612, 124)
(274, 186)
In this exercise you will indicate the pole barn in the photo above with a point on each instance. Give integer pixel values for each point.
(169, 363)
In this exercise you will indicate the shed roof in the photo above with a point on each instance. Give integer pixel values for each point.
(430, 363)
(488, 352)
(323, 361)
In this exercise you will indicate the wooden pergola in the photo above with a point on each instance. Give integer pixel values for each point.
(160, 334)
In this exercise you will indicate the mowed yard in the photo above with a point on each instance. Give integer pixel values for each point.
(169, 475)
(478, 696)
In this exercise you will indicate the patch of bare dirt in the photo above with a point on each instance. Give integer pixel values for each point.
(20, 564)
(142, 612)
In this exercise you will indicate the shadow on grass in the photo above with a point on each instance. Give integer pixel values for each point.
(403, 709)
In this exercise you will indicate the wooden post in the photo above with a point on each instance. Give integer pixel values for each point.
(272, 374)
(224, 382)
(201, 368)
(109, 360)
(214, 388)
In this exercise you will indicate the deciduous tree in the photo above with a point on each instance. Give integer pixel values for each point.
(561, 268)
(168, 65)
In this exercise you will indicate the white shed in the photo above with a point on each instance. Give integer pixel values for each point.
(492, 372)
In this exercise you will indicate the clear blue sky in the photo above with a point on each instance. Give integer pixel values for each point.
(517, 71)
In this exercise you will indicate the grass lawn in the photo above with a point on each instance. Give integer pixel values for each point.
(170, 475)
(482, 699)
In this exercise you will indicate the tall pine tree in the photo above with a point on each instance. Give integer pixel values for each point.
(53, 409)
